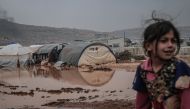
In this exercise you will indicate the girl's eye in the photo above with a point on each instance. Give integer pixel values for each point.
(173, 40)
(166, 40)
(163, 40)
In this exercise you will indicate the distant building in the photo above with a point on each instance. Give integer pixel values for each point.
(101, 35)
(3, 15)
(115, 43)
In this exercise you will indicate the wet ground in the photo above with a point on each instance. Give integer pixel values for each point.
(49, 88)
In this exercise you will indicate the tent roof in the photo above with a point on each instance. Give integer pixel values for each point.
(14, 49)
(72, 53)
(46, 48)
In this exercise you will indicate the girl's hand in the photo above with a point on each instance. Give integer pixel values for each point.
(183, 82)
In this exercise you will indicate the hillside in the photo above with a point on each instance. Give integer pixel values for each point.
(28, 34)
(132, 34)
(137, 33)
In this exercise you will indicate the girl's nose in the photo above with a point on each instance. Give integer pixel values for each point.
(170, 44)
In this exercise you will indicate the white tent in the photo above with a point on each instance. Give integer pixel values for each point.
(11, 54)
(87, 54)
(35, 48)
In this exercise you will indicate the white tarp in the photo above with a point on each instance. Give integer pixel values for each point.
(87, 54)
(10, 54)
(96, 54)
(35, 48)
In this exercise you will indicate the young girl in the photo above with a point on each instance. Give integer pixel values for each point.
(162, 81)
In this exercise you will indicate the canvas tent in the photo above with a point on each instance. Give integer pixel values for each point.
(35, 48)
(11, 54)
(42, 52)
(87, 54)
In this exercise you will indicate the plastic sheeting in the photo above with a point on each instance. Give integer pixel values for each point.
(10, 55)
(87, 54)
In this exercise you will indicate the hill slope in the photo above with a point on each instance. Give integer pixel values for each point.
(28, 34)
(137, 33)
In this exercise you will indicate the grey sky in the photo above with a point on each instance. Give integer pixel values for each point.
(98, 15)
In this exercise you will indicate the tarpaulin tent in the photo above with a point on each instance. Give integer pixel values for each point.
(87, 54)
(43, 52)
(34, 48)
(14, 54)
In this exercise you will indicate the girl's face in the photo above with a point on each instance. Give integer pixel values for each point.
(166, 47)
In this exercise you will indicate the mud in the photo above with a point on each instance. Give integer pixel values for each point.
(48, 88)
(107, 104)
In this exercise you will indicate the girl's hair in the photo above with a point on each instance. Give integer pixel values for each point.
(156, 30)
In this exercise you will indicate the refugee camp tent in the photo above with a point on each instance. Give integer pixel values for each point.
(35, 48)
(87, 54)
(44, 51)
(14, 54)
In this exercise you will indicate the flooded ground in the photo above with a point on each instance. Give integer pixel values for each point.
(49, 88)
(41, 87)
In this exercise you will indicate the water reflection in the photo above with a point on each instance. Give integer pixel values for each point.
(77, 76)
(96, 77)
(49, 84)
(46, 72)
(9, 73)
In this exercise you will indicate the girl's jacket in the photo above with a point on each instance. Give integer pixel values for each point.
(178, 83)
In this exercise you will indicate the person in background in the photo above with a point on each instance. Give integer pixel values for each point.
(53, 56)
(162, 80)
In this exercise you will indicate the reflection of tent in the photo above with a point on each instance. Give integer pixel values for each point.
(96, 78)
(75, 76)
(91, 54)
(11, 73)
(11, 54)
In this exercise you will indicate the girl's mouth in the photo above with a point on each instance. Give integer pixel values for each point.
(169, 52)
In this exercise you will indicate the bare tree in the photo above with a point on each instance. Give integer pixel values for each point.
(157, 16)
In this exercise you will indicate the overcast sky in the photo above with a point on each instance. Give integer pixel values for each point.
(98, 15)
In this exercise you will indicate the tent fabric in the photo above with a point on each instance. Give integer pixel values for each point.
(35, 48)
(10, 54)
(86, 54)
(46, 48)
(14, 49)
(11, 61)
(50, 51)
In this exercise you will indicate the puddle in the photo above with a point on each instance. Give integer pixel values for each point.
(47, 88)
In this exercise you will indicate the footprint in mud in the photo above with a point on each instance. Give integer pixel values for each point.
(93, 97)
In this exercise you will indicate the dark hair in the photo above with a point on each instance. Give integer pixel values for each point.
(156, 30)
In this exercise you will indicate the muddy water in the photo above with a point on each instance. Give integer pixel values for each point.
(48, 88)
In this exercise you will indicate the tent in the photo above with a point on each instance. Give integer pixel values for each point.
(42, 52)
(14, 54)
(35, 48)
(87, 54)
